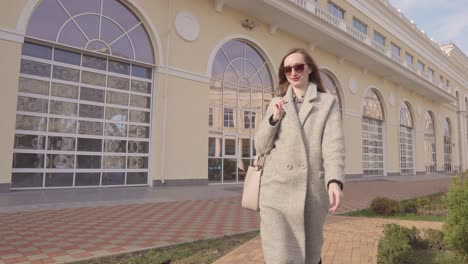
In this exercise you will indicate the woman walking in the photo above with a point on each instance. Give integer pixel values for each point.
(304, 123)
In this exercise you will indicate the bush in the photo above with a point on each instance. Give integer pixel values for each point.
(456, 225)
(385, 206)
(434, 239)
(409, 206)
(396, 245)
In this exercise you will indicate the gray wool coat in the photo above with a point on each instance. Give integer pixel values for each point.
(293, 196)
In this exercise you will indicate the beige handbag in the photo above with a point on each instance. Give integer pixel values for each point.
(251, 193)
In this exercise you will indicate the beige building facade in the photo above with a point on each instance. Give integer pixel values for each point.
(105, 93)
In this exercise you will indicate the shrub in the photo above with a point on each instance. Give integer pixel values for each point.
(456, 225)
(409, 206)
(434, 239)
(396, 245)
(385, 206)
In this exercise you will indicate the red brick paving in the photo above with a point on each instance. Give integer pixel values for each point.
(65, 235)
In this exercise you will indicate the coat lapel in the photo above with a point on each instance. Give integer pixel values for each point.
(308, 103)
(289, 108)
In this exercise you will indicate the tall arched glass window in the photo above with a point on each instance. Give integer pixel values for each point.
(406, 140)
(331, 85)
(429, 143)
(84, 97)
(240, 90)
(372, 135)
(447, 146)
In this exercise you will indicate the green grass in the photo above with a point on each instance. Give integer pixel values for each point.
(433, 200)
(435, 257)
(402, 216)
(199, 252)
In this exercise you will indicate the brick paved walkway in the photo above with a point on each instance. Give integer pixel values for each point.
(65, 235)
(348, 240)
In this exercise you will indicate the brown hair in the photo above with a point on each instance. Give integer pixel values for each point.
(314, 76)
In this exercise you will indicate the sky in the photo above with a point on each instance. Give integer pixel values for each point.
(443, 20)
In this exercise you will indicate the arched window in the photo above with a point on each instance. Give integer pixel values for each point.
(84, 98)
(447, 146)
(241, 88)
(429, 143)
(372, 134)
(406, 140)
(331, 85)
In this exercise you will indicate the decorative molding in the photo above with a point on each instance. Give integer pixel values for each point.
(312, 46)
(187, 25)
(184, 74)
(219, 4)
(352, 85)
(273, 29)
(392, 98)
(9, 35)
(341, 60)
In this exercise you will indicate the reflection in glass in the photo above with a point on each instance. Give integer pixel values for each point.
(87, 179)
(117, 98)
(66, 74)
(137, 177)
(34, 123)
(137, 162)
(114, 162)
(214, 169)
(90, 128)
(140, 101)
(35, 68)
(29, 104)
(118, 82)
(63, 108)
(113, 178)
(94, 62)
(90, 94)
(58, 179)
(36, 50)
(139, 116)
(64, 90)
(93, 78)
(116, 130)
(115, 145)
(141, 87)
(60, 161)
(29, 142)
(90, 144)
(25, 160)
(60, 125)
(24, 180)
(88, 162)
(119, 67)
(116, 114)
(61, 143)
(32, 86)
(91, 111)
(138, 131)
(137, 147)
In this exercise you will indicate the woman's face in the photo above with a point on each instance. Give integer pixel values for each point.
(297, 71)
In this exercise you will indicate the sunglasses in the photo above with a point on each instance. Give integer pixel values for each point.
(299, 68)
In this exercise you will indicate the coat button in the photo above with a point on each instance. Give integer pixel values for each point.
(303, 166)
(289, 166)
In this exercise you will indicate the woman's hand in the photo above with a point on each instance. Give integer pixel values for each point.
(277, 111)
(335, 195)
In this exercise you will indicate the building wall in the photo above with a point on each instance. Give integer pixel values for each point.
(182, 86)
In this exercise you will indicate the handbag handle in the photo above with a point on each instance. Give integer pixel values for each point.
(260, 159)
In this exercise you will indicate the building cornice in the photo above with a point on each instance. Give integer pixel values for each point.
(384, 14)
(10, 35)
